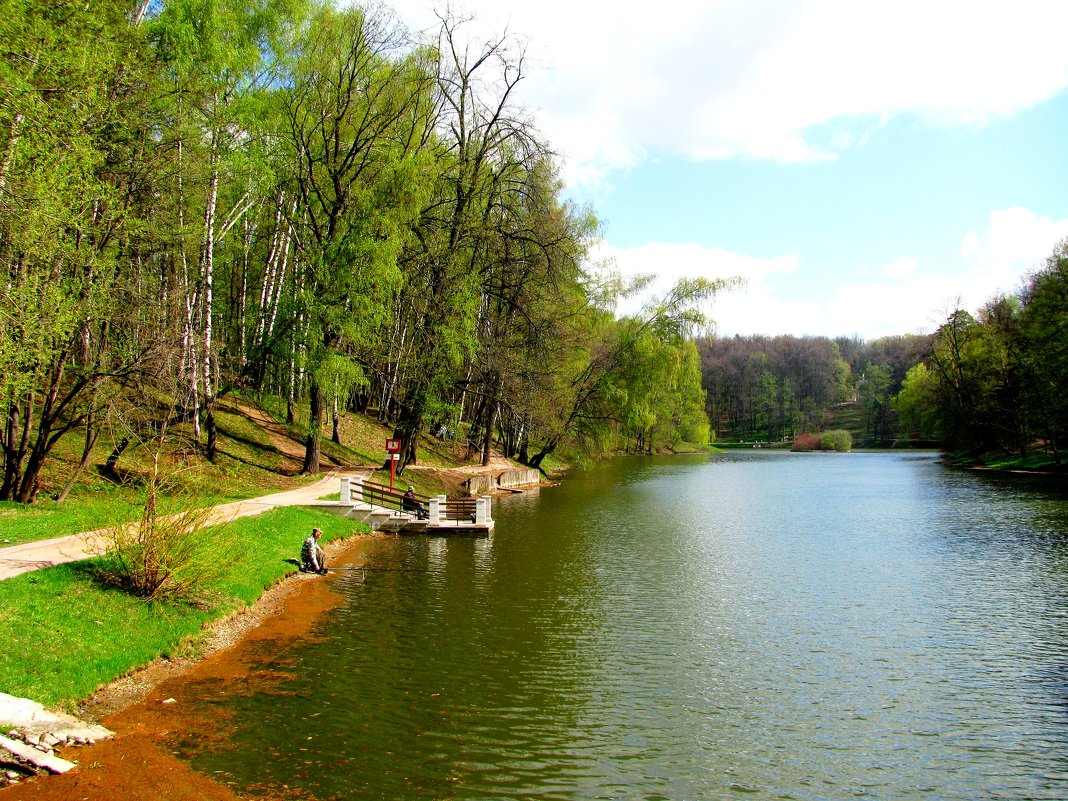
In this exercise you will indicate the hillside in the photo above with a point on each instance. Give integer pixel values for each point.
(258, 453)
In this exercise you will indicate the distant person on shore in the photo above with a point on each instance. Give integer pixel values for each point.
(312, 558)
(411, 504)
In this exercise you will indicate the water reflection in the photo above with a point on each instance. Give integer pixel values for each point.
(809, 626)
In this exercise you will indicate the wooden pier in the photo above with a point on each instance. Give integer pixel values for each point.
(386, 509)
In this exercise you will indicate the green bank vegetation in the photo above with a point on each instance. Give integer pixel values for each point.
(67, 632)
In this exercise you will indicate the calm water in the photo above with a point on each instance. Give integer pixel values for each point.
(753, 625)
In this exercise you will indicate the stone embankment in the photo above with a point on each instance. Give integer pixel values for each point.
(485, 483)
(32, 736)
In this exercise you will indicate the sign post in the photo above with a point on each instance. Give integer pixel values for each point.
(393, 447)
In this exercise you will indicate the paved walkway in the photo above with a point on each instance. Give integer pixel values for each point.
(46, 553)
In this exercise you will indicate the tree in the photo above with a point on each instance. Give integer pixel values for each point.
(1044, 330)
(74, 115)
(358, 112)
(875, 400)
(600, 387)
(917, 403)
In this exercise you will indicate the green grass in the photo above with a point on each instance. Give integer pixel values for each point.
(1035, 461)
(248, 465)
(46, 519)
(66, 634)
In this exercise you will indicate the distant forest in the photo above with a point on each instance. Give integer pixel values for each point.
(995, 381)
(775, 388)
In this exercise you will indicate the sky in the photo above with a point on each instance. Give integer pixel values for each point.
(865, 167)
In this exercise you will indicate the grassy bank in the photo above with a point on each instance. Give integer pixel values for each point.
(1034, 462)
(66, 634)
(247, 465)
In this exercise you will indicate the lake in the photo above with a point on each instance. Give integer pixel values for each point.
(754, 624)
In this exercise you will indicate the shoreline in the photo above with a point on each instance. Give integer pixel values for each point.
(145, 706)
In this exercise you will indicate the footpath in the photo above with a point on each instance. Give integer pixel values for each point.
(29, 556)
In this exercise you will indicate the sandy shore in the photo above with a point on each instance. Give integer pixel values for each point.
(145, 707)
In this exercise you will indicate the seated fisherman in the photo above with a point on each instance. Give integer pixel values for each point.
(411, 504)
(312, 558)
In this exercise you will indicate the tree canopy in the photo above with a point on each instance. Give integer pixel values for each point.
(299, 199)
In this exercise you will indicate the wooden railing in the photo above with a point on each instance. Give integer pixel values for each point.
(389, 498)
(460, 509)
(440, 508)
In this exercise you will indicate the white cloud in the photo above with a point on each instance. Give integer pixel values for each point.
(901, 269)
(1014, 241)
(753, 77)
(901, 297)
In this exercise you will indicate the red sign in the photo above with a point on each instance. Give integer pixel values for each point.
(393, 445)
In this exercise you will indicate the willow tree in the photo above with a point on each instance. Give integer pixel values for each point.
(479, 132)
(359, 110)
(600, 392)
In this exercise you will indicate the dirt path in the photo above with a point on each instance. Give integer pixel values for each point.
(456, 476)
(292, 451)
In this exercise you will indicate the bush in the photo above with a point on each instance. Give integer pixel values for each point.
(838, 440)
(173, 557)
(806, 442)
(168, 554)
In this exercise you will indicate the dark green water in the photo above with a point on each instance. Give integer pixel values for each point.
(753, 625)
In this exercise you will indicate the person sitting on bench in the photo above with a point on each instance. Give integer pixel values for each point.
(411, 504)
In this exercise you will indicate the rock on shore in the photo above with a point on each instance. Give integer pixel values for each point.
(33, 733)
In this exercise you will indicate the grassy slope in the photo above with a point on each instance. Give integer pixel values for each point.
(248, 465)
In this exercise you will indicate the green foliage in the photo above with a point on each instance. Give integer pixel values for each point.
(836, 440)
(917, 403)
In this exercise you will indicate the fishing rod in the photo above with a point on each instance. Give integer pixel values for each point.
(381, 569)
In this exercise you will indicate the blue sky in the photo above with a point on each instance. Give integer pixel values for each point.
(864, 167)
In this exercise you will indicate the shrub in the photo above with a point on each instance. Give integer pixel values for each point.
(838, 440)
(806, 442)
(172, 556)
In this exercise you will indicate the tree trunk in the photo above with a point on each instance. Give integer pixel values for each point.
(111, 463)
(487, 433)
(208, 279)
(313, 443)
(336, 436)
(91, 434)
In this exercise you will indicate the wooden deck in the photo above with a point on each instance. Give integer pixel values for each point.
(389, 510)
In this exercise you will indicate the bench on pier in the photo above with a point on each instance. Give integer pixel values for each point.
(459, 514)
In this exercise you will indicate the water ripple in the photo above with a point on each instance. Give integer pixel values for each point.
(764, 625)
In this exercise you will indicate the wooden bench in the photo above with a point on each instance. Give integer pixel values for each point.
(460, 509)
